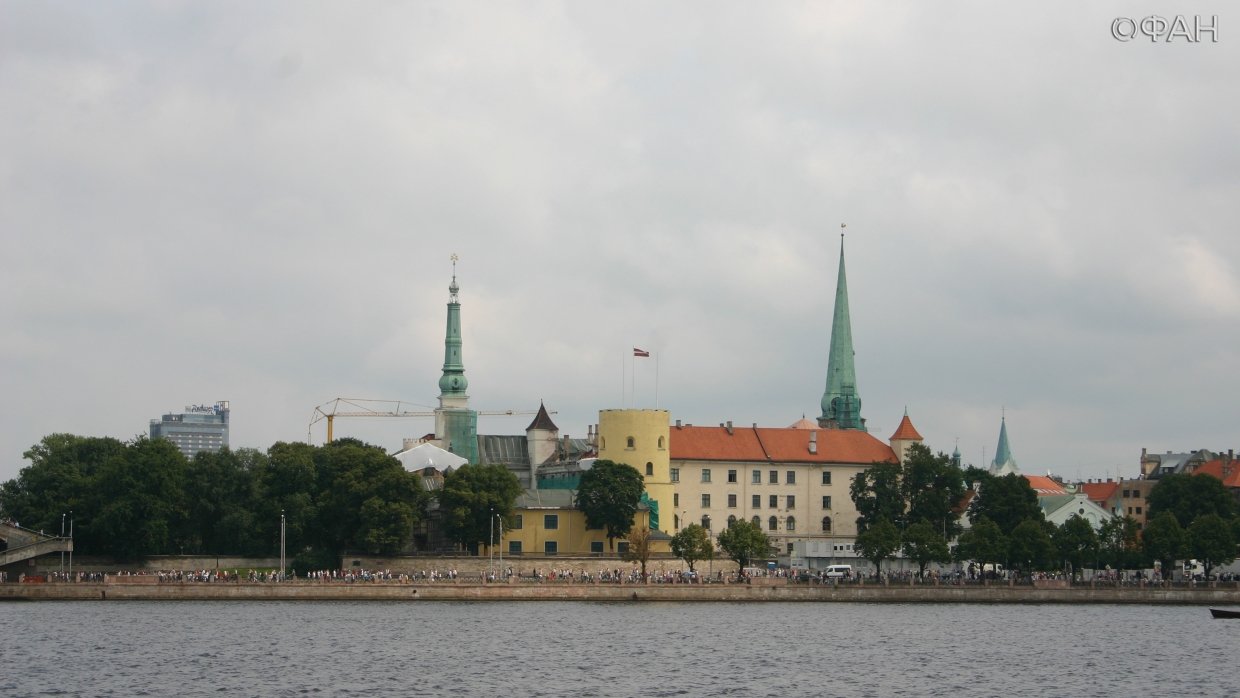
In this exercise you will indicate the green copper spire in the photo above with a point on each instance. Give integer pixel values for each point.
(453, 383)
(841, 403)
(456, 426)
(1003, 462)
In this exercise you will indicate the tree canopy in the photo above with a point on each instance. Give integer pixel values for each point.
(878, 542)
(608, 495)
(923, 545)
(1007, 501)
(471, 498)
(1165, 541)
(1189, 496)
(144, 497)
(1076, 542)
(744, 542)
(1210, 540)
(691, 544)
(925, 487)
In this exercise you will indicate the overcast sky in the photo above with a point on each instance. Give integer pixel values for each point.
(257, 202)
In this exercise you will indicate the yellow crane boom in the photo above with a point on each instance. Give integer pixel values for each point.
(366, 407)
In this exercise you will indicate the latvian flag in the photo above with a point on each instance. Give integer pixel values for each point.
(640, 352)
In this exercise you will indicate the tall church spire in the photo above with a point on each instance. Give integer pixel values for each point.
(1003, 462)
(453, 382)
(456, 426)
(841, 403)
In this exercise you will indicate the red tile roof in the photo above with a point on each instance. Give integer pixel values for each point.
(1229, 473)
(777, 445)
(906, 431)
(1044, 485)
(1099, 492)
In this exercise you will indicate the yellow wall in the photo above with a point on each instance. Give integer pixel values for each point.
(571, 536)
(648, 430)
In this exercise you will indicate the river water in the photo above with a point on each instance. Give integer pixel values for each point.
(249, 648)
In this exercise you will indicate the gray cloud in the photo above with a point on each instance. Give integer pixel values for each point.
(258, 203)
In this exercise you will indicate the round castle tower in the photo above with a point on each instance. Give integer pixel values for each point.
(640, 438)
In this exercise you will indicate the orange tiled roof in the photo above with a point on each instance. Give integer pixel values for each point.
(1043, 485)
(777, 445)
(906, 431)
(1099, 492)
(1229, 473)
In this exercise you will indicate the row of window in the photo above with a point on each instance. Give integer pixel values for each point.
(552, 547)
(631, 443)
(1132, 494)
(755, 476)
(755, 502)
(772, 523)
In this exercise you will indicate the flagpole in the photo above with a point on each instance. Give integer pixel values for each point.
(656, 381)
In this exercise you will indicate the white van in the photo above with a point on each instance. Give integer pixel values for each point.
(838, 571)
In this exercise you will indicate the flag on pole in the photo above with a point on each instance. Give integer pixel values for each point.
(640, 352)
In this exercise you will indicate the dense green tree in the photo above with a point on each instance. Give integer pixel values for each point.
(878, 542)
(1030, 547)
(349, 474)
(1007, 501)
(224, 494)
(691, 544)
(744, 542)
(60, 479)
(1119, 543)
(1076, 542)
(290, 487)
(471, 498)
(1165, 541)
(924, 544)
(139, 497)
(1210, 540)
(1190, 496)
(932, 486)
(608, 495)
(983, 543)
(877, 494)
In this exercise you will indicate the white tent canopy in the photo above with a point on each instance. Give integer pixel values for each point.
(429, 455)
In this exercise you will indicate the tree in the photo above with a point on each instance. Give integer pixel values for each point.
(139, 497)
(1007, 501)
(984, 543)
(350, 474)
(1119, 542)
(471, 497)
(877, 495)
(1165, 541)
(224, 494)
(639, 548)
(932, 486)
(878, 542)
(744, 542)
(1030, 546)
(608, 495)
(691, 544)
(1076, 542)
(923, 544)
(1210, 540)
(1190, 496)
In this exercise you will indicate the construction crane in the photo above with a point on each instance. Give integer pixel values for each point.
(363, 407)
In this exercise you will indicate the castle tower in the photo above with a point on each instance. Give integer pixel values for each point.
(456, 426)
(905, 435)
(541, 439)
(640, 438)
(841, 403)
(1003, 463)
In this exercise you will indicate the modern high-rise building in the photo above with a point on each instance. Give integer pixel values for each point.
(198, 428)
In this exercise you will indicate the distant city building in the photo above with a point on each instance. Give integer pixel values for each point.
(198, 428)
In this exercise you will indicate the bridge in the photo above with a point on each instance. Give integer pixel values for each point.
(23, 544)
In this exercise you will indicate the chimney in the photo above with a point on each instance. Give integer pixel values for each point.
(677, 423)
(813, 442)
(729, 427)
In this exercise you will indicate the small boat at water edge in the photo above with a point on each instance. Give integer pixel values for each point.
(1224, 613)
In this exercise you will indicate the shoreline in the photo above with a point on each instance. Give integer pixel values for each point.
(414, 591)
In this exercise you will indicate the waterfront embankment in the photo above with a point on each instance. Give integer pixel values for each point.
(120, 590)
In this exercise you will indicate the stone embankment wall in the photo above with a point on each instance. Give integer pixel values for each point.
(392, 591)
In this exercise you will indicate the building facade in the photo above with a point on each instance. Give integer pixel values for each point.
(198, 428)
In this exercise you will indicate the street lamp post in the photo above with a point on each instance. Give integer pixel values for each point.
(491, 546)
(500, 522)
(70, 543)
(283, 563)
(62, 553)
